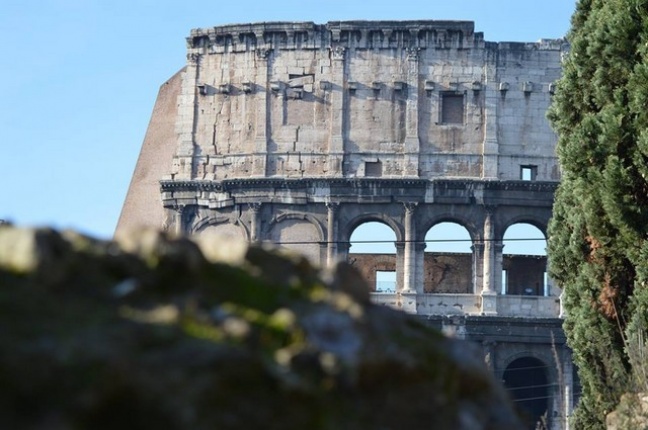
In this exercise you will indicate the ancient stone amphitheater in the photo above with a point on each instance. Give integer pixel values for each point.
(298, 133)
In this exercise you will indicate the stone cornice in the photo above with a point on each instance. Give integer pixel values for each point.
(352, 34)
(355, 183)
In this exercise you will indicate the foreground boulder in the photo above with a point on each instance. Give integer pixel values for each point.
(159, 332)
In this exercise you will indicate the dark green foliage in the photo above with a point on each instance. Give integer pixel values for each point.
(597, 246)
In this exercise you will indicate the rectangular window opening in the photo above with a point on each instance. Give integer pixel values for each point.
(385, 281)
(373, 169)
(528, 173)
(452, 108)
(503, 282)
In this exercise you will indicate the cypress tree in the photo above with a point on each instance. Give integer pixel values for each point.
(597, 238)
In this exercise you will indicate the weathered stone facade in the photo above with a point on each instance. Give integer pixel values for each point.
(297, 133)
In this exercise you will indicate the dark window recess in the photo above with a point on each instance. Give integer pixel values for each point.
(373, 168)
(528, 173)
(452, 108)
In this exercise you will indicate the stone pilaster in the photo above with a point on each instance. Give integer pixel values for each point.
(477, 267)
(409, 254)
(419, 260)
(400, 252)
(343, 250)
(489, 354)
(498, 266)
(263, 120)
(186, 119)
(255, 221)
(412, 143)
(339, 102)
(565, 381)
(490, 150)
(489, 292)
(178, 220)
(331, 233)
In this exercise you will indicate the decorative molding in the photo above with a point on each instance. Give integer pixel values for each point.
(410, 207)
(337, 52)
(263, 53)
(439, 185)
(413, 53)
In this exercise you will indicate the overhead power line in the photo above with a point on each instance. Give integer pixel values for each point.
(352, 242)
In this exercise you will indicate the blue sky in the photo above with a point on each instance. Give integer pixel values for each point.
(80, 77)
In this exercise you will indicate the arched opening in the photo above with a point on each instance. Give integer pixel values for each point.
(298, 235)
(524, 262)
(373, 253)
(528, 386)
(448, 259)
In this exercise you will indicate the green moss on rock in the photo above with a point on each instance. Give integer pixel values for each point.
(146, 332)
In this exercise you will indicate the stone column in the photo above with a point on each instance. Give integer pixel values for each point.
(178, 219)
(412, 145)
(568, 386)
(343, 250)
(489, 354)
(263, 112)
(186, 120)
(498, 265)
(419, 279)
(339, 101)
(489, 293)
(400, 248)
(477, 267)
(490, 150)
(409, 254)
(331, 233)
(255, 221)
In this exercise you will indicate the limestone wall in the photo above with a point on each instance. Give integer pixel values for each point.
(364, 99)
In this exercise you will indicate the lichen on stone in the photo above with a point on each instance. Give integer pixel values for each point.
(148, 332)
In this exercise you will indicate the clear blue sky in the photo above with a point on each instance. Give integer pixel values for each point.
(79, 80)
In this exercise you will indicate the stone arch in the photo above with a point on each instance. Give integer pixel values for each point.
(543, 355)
(444, 267)
(379, 264)
(298, 232)
(540, 223)
(222, 228)
(202, 223)
(347, 229)
(524, 263)
(529, 383)
(300, 216)
(465, 222)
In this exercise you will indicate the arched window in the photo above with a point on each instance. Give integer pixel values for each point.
(373, 253)
(448, 259)
(524, 264)
(528, 386)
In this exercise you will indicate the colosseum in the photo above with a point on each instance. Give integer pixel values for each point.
(299, 134)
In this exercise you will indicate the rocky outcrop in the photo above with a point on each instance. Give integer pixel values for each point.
(157, 332)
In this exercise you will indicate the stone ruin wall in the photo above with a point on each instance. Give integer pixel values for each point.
(297, 133)
(447, 272)
(364, 99)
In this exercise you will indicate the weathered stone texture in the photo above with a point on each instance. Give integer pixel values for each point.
(281, 99)
(298, 133)
(148, 333)
(143, 204)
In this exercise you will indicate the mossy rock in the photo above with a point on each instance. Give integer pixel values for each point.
(147, 332)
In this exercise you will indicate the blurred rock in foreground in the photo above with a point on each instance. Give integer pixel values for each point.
(146, 333)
